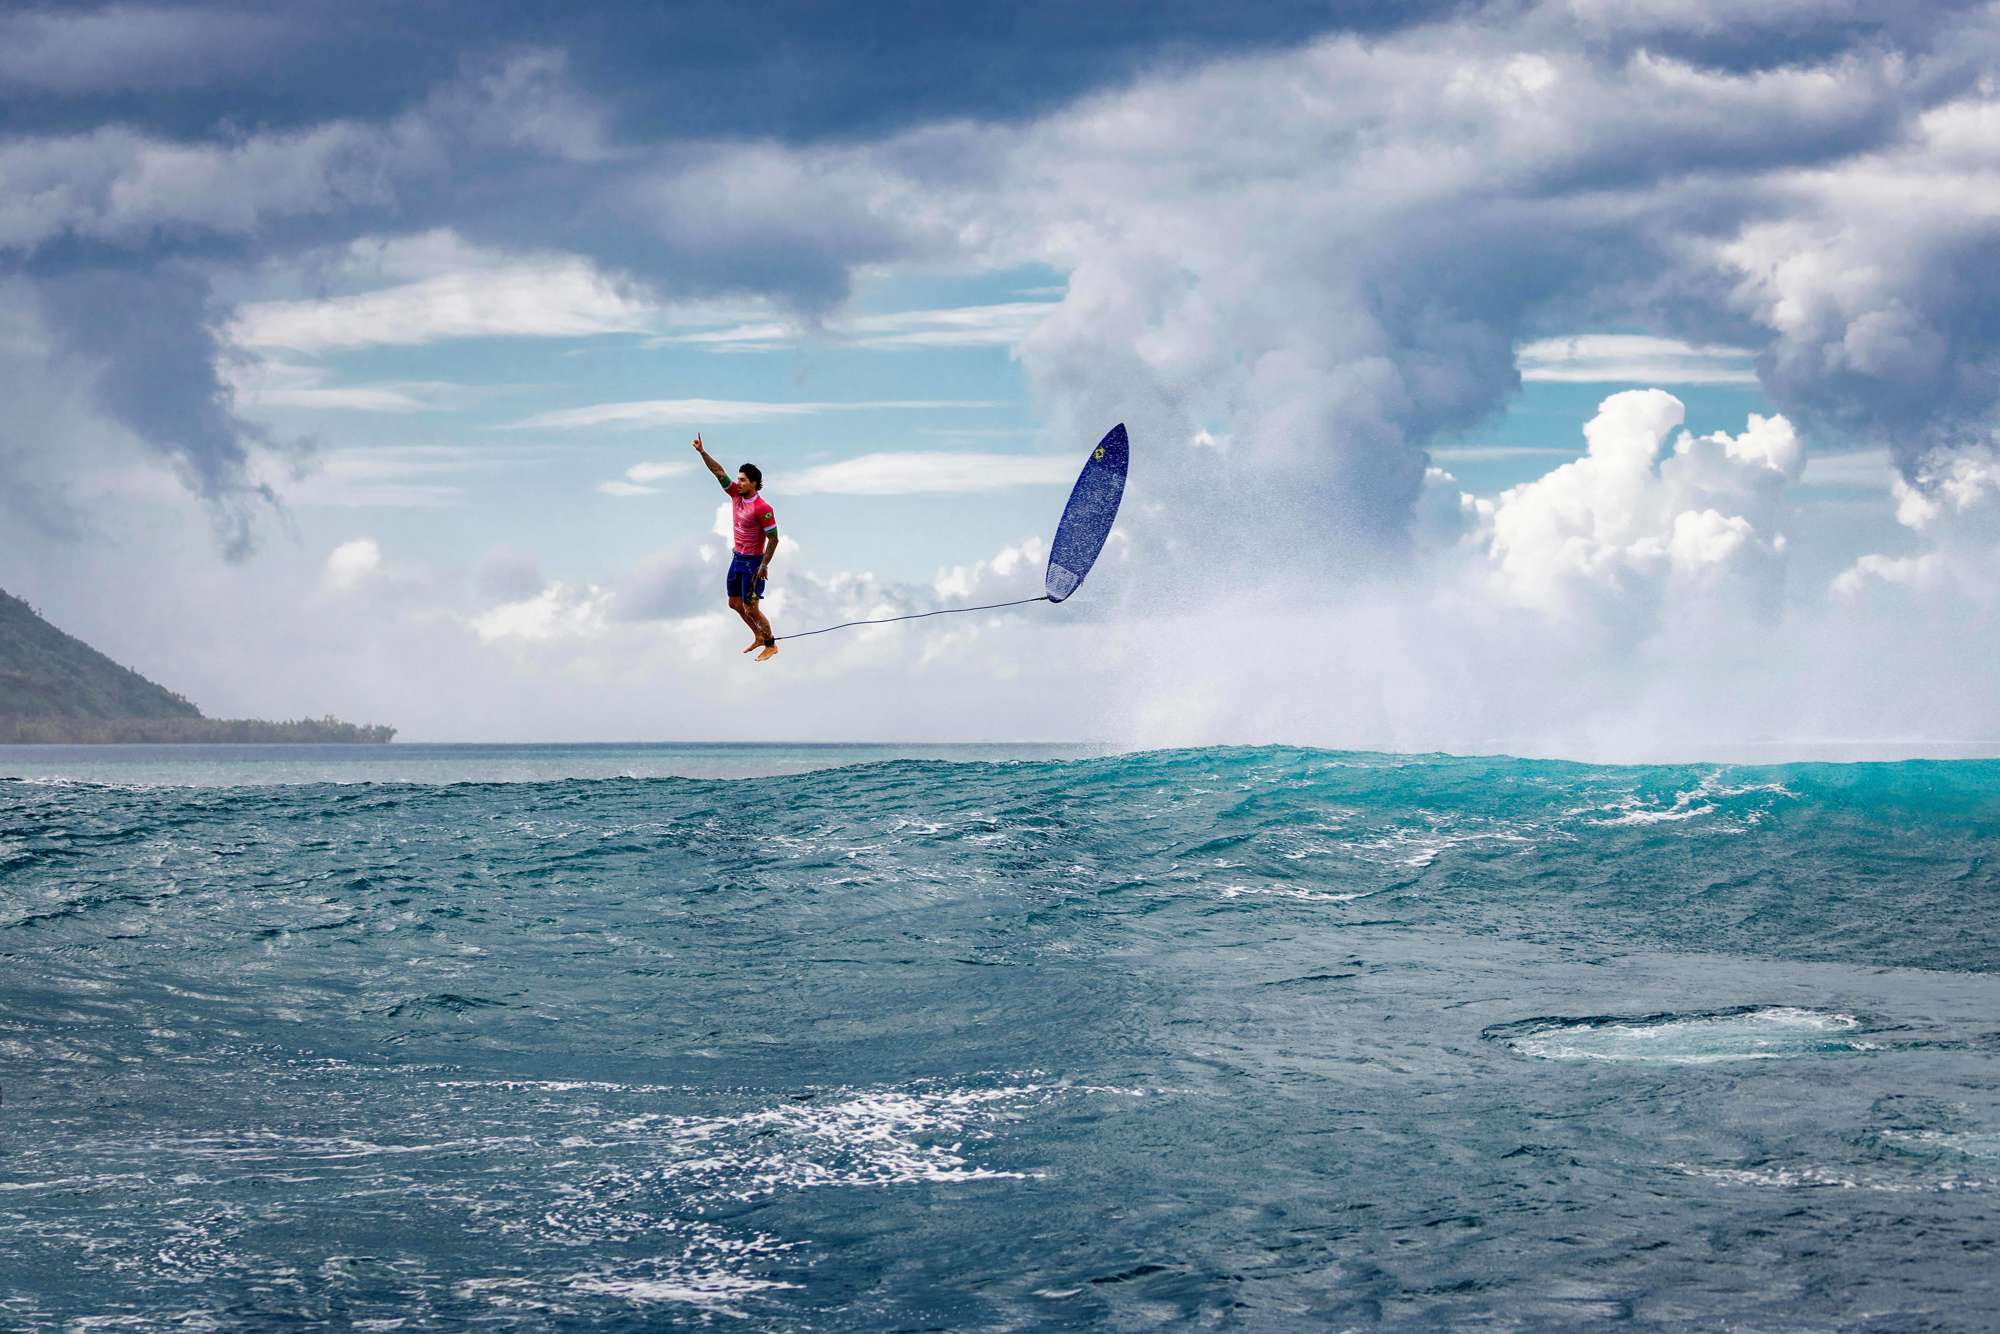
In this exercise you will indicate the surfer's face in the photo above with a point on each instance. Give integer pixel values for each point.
(744, 483)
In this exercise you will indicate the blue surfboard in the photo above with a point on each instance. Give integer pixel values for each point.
(1087, 519)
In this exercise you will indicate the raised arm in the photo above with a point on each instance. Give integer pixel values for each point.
(713, 466)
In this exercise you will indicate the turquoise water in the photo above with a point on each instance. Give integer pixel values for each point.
(1250, 1038)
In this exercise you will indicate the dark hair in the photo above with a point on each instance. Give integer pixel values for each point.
(756, 476)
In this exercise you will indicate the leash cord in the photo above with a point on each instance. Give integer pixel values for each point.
(915, 616)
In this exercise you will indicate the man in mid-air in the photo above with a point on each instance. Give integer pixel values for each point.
(756, 542)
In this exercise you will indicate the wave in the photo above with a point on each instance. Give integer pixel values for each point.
(1747, 1033)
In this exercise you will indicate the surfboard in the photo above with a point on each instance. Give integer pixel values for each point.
(1087, 519)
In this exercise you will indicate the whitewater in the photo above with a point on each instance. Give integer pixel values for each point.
(799, 1038)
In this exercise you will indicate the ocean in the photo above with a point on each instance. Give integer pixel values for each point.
(851, 1038)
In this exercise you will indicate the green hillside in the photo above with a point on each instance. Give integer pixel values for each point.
(54, 688)
(45, 673)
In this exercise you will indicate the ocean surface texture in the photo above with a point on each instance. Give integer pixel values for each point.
(1263, 1039)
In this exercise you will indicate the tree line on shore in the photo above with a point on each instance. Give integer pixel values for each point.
(31, 731)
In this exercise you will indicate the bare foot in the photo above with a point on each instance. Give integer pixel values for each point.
(770, 651)
(755, 644)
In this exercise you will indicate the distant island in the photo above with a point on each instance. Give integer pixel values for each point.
(56, 689)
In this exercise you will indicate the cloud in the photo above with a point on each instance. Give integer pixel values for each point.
(920, 472)
(639, 479)
(121, 48)
(1952, 488)
(1633, 604)
(1865, 469)
(694, 412)
(529, 297)
(127, 189)
(352, 564)
(1872, 275)
(47, 407)
(1001, 324)
(1920, 572)
(1490, 453)
(506, 574)
(1615, 527)
(669, 585)
(763, 337)
(1013, 571)
(559, 611)
(1951, 505)
(660, 471)
(1635, 359)
(141, 342)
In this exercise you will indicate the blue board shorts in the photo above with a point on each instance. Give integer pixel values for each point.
(742, 581)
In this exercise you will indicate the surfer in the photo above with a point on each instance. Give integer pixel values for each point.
(756, 530)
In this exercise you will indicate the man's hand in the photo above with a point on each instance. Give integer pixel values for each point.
(698, 448)
(764, 570)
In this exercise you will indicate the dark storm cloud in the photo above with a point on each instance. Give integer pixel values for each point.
(797, 70)
(97, 55)
(142, 341)
(1917, 366)
(1744, 37)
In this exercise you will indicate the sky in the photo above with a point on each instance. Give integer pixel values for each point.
(1576, 378)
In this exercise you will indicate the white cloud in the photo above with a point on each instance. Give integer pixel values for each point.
(1001, 324)
(1905, 571)
(352, 564)
(1952, 507)
(1634, 359)
(559, 611)
(694, 412)
(1957, 485)
(921, 472)
(547, 296)
(658, 472)
(639, 479)
(764, 337)
(1615, 526)
(1490, 453)
(1013, 571)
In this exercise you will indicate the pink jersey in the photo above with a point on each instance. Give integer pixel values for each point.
(753, 518)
